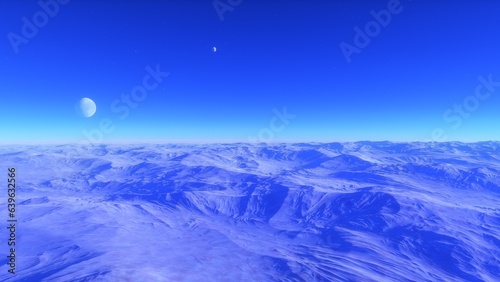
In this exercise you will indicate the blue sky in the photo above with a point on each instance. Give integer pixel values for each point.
(407, 83)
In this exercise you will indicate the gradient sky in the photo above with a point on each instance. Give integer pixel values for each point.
(423, 65)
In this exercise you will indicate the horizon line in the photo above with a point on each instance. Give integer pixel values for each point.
(226, 141)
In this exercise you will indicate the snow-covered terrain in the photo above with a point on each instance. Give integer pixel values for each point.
(363, 211)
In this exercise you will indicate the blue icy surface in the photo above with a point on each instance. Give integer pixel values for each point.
(363, 211)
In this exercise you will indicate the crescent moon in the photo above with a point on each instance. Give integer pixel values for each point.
(87, 107)
(215, 49)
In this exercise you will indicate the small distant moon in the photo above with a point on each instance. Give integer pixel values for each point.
(87, 107)
(214, 49)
